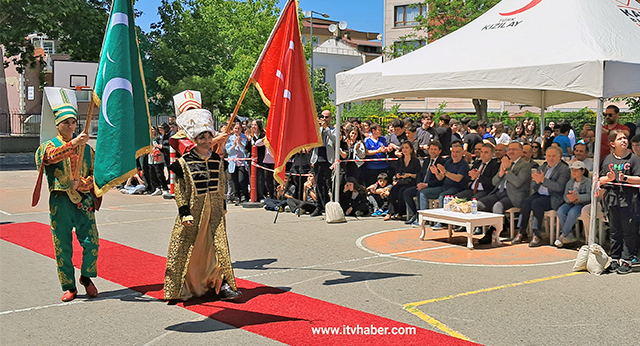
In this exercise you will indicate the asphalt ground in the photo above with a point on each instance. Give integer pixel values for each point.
(493, 305)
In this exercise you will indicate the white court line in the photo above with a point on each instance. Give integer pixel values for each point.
(34, 308)
(359, 244)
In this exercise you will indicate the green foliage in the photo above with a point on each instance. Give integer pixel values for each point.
(211, 46)
(322, 92)
(78, 26)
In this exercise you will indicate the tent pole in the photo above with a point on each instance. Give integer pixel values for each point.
(336, 188)
(596, 174)
(542, 108)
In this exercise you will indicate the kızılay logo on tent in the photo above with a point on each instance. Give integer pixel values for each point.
(633, 13)
(510, 22)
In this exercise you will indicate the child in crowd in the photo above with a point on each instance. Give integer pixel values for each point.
(619, 170)
(379, 194)
(562, 139)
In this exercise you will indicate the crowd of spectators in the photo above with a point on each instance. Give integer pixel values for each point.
(417, 163)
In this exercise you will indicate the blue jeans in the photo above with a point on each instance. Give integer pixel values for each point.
(568, 214)
(429, 193)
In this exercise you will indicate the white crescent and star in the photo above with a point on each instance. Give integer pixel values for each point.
(117, 82)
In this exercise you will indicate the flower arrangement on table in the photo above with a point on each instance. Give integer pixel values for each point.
(459, 205)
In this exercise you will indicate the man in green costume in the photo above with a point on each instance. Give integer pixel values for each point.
(67, 162)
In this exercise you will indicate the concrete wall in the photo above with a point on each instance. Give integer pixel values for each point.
(19, 144)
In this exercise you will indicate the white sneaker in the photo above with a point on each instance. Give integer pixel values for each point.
(557, 243)
(287, 208)
(157, 192)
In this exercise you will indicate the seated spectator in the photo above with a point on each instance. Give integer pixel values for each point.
(581, 153)
(378, 195)
(531, 134)
(455, 131)
(512, 183)
(283, 192)
(517, 135)
(134, 185)
(500, 135)
(481, 174)
(500, 151)
(577, 194)
(536, 149)
(452, 173)
(620, 169)
(425, 179)
(562, 139)
(376, 146)
(527, 155)
(353, 199)
(548, 184)
(408, 169)
(308, 202)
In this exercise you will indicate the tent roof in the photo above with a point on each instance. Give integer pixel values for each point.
(574, 50)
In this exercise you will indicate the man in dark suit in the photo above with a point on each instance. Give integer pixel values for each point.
(481, 174)
(548, 185)
(425, 179)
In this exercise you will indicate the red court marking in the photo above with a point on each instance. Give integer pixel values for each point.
(407, 240)
(267, 311)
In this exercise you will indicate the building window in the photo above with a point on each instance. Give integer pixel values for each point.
(406, 15)
(404, 47)
(48, 46)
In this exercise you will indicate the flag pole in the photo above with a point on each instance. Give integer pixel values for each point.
(87, 124)
(235, 111)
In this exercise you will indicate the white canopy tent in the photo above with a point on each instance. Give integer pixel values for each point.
(535, 52)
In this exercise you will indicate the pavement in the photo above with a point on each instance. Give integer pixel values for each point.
(377, 267)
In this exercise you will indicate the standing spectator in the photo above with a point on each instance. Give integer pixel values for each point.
(444, 134)
(394, 138)
(577, 194)
(635, 145)
(455, 135)
(562, 140)
(486, 135)
(156, 166)
(472, 138)
(426, 133)
(548, 185)
(500, 134)
(620, 169)
(410, 132)
(408, 169)
(321, 161)
(354, 150)
(547, 138)
(365, 128)
(612, 113)
(236, 149)
(464, 126)
(255, 137)
(531, 132)
(376, 149)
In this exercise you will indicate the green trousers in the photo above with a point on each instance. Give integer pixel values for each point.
(65, 216)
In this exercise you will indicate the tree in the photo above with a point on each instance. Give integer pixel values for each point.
(443, 18)
(211, 46)
(78, 26)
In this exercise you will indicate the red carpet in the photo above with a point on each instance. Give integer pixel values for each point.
(271, 312)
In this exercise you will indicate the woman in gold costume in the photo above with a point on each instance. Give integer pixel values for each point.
(198, 260)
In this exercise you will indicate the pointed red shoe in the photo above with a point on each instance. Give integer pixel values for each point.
(69, 296)
(92, 291)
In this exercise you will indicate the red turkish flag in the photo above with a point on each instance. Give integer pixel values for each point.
(281, 78)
